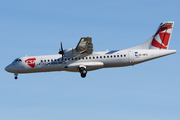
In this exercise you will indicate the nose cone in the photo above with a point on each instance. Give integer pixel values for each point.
(8, 69)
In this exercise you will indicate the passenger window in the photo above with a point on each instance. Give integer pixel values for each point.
(107, 56)
(121, 55)
(104, 56)
(86, 57)
(124, 55)
(111, 56)
(72, 59)
(79, 58)
(89, 57)
(97, 57)
(117, 55)
(100, 56)
(44, 60)
(93, 57)
(75, 58)
(51, 60)
(68, 58)
(48, 60)
(41, 60)
(114, 55)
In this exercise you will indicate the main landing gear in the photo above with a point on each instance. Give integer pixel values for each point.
(16, 76)
(83, 72)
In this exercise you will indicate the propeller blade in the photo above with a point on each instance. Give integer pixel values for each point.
(61, 51)
(62, 48)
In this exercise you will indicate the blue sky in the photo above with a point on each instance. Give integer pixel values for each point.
(36, 27)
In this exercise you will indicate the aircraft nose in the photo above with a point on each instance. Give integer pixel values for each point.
(7, 68)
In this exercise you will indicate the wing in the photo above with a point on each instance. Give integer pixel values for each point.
(85, 45)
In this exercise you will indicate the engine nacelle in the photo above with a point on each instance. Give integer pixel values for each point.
(84, 46)
(71, 52)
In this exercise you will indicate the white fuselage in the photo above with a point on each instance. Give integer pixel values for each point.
(96, 60)
(82, 58)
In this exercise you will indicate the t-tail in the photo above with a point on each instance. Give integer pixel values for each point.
(161, 39)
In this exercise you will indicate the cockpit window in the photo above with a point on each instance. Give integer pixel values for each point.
(17, 60)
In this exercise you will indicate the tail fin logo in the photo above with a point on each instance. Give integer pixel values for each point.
(161, 38)
(31, 62)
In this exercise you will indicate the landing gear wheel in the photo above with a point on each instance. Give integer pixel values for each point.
(15, 77)
(83, 75)
(83, 72)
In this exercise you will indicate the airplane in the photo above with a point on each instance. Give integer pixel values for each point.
(82, 58)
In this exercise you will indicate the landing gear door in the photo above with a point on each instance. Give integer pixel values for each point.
(131, 57)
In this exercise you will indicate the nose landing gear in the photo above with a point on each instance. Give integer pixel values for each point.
(83, 72)
(16, 76)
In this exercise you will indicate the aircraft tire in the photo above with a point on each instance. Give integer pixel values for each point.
(84, 71)
(83, 75)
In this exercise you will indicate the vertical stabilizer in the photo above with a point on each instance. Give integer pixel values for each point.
(162, 37)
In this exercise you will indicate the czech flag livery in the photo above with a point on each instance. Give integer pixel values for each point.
(136, 54)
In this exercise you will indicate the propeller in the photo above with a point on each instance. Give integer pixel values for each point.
(61, 51)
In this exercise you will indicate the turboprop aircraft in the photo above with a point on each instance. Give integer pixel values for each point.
(82, 58)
